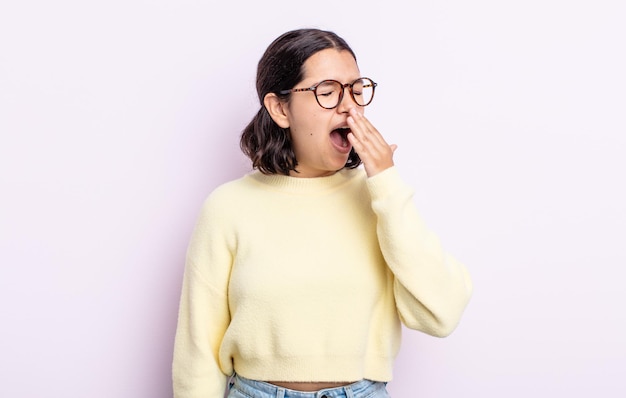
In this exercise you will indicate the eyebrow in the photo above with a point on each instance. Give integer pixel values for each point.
(328, 78)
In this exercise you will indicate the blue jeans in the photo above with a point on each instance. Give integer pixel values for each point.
(246, 388)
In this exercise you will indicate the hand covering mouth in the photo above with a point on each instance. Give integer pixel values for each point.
(339, 137)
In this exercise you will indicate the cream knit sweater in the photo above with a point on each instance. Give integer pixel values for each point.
(308, 279)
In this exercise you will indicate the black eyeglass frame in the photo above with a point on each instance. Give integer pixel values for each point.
(343, 88)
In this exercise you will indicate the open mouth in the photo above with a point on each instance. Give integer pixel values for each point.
(339, 137)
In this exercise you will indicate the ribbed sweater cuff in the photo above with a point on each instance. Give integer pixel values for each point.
(386, 182)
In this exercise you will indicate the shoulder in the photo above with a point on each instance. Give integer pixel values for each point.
(227, 198)
(230, 189)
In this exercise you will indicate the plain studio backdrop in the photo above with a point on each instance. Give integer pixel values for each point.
(118, 118)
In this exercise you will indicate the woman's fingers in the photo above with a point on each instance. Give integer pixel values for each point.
(367, 141)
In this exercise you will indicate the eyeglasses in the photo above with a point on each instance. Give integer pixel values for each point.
(329, 93)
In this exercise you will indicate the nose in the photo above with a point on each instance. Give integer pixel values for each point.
(346, 102)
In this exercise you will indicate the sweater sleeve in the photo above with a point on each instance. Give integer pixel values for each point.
(203, 312)
(431, 288)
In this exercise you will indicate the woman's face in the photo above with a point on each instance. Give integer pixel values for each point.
(319, 147)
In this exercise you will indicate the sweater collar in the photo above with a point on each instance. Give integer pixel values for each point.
(297, 185)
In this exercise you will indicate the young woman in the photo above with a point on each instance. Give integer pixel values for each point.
(299, 274)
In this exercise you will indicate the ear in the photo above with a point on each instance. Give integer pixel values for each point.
(277, 109)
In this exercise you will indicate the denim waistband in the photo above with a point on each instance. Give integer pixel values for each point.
(359, 389)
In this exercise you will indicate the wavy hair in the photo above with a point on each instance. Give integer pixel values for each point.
(263, 141)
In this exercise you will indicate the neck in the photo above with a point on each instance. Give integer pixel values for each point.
(311, 174)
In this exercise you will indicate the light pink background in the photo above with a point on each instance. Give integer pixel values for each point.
(117, 118)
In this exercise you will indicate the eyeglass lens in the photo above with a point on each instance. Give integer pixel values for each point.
(329, 92)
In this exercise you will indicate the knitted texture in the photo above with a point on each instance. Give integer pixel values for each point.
(309, 279)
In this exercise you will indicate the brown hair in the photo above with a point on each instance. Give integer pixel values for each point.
(263, 141)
